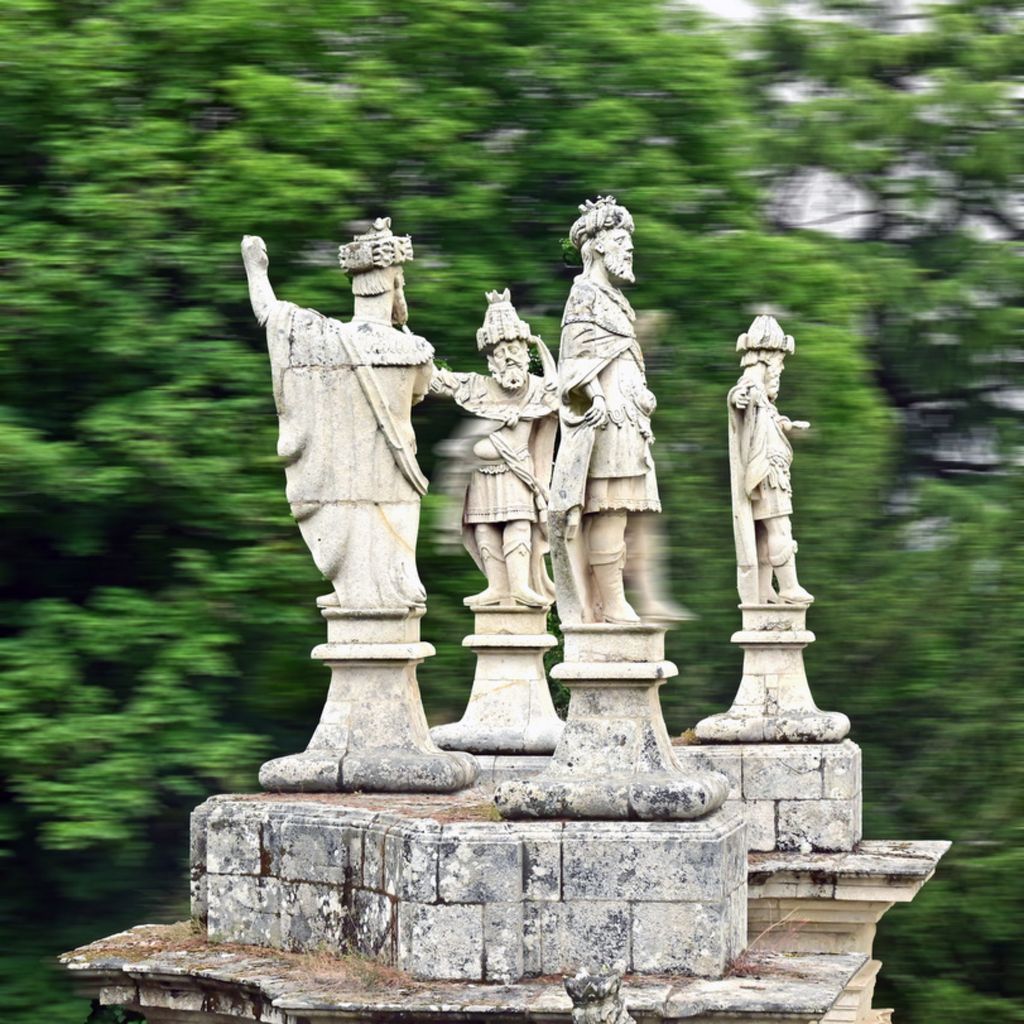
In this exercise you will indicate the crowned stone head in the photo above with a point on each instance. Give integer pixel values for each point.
(503, 337)
(375, 249)
(605, 229)
(764, 341)
(501, 322)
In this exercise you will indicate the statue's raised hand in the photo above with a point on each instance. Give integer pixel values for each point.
(254, 252)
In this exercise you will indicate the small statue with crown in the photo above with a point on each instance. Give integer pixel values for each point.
(505, 508)
(504, 528)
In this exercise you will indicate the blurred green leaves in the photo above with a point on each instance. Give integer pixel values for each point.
(155, 598)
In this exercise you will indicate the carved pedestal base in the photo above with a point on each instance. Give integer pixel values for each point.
(774, 702)
(510, 709)
(614, 759)
(373, 733)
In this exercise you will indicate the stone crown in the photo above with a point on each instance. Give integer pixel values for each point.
(765, 335)
(375, 249)
(501, 322)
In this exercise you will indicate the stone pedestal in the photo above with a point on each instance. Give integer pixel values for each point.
(774, 702)
(372, 733)
(407, 883)
(614, 759)
(794, 796)
(509, 709)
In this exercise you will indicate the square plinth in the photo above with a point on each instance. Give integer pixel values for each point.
(795, 796)
(425, 885)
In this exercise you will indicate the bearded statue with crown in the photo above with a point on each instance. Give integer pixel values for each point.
(504, 519)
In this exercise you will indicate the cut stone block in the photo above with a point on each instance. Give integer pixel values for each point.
(795, 796)
(471, 900)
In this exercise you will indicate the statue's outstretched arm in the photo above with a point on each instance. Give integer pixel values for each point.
(261, 293)
(445, 382)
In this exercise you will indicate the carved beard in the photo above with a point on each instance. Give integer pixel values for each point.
(399, 309)
(512, 378)
(620, 265)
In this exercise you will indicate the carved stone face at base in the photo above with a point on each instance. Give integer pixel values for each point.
(509, 364)
(617, 249)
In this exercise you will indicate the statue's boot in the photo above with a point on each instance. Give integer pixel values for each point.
(765, 590)
(517, 567)
(790, 591)
(607, 570)
(497, 581)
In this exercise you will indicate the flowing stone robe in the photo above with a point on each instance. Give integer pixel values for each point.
(520, 489)
(611, 467)
(344, 394)
(598, 469)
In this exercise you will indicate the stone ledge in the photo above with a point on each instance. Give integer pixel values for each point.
(158, 966)
(876, 869)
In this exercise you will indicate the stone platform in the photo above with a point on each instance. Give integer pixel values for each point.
(795, 796)
(432, 885)
(832, 903)
(614, 760)
(173, 977)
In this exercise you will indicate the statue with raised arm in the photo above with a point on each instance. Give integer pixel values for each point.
(504, 517)
(604, 470)
(344, 394)
(760, 456)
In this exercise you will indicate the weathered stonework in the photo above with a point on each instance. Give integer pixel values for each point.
(179, 981)
(614, 759)
(794, 796)
(471, 900)
(826, 903)
(774, 702)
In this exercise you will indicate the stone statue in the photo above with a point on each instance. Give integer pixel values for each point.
(505, 509)
(604, 470)
(773, 703)
(760, 456)
(344, 393)
(506, 475)
(596, 998)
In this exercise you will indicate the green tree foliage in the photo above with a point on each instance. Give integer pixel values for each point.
(156, 604)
